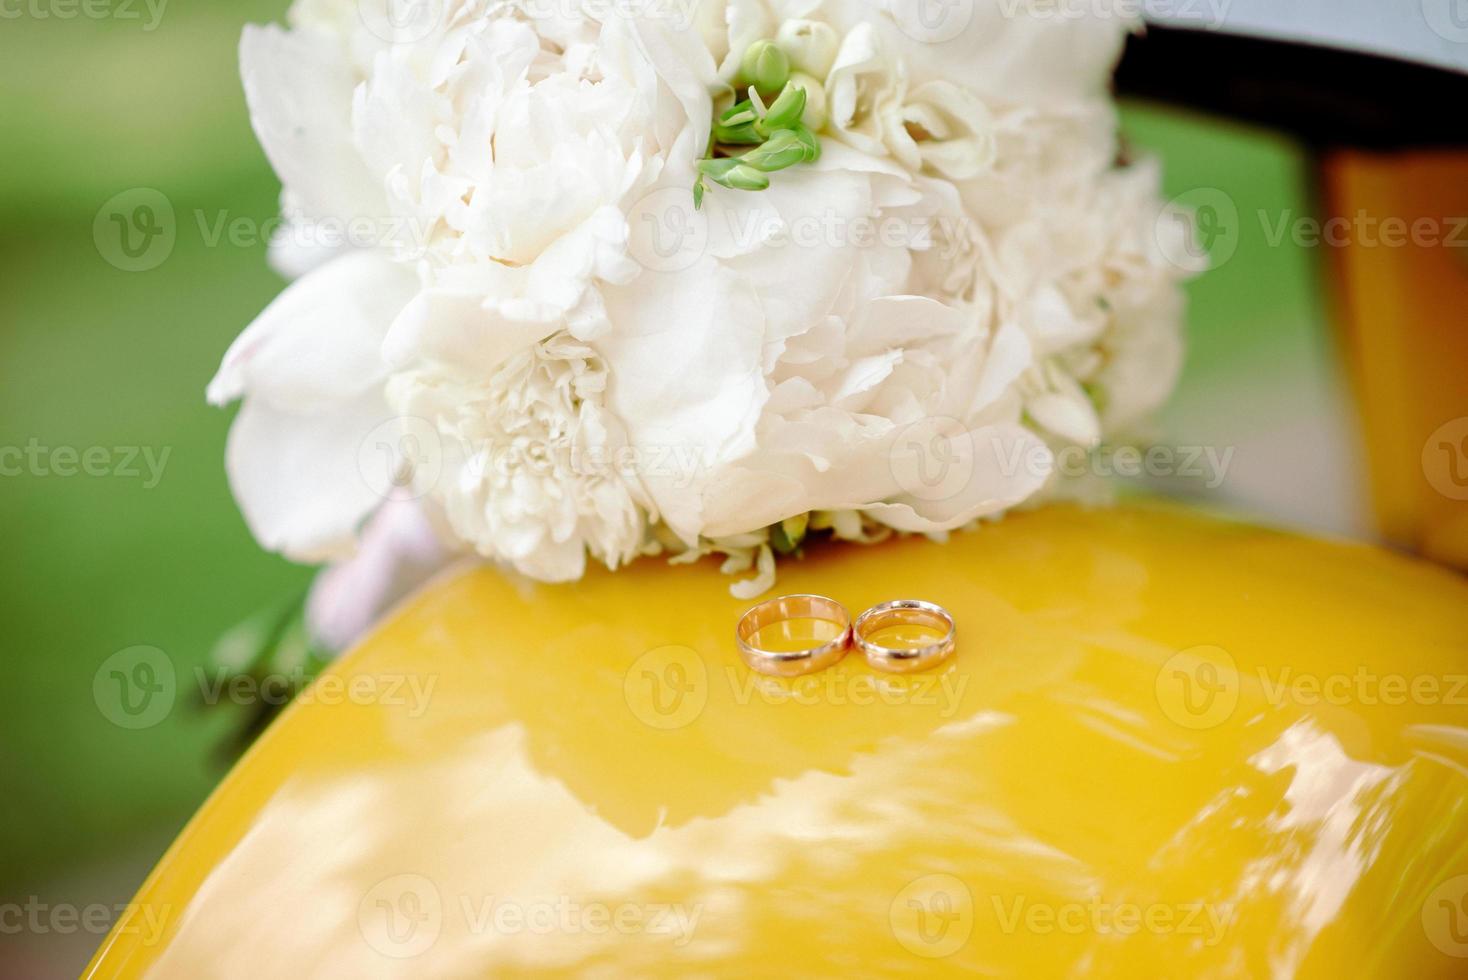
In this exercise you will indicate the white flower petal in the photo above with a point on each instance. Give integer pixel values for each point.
(319, 341)
(297, 476)
(1009, 465)
(298, 85)
(685, 363)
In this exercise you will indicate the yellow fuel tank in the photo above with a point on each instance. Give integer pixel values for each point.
(1169, 745)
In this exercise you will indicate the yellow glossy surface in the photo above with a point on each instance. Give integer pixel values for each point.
(1160, 751)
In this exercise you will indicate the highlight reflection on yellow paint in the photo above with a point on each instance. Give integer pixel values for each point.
(1179, 754)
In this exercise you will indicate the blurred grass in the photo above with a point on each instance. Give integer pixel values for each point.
(93, 356)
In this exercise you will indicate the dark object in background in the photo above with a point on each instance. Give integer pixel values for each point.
(1382, 112)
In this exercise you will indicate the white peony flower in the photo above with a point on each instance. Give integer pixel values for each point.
(893, 336)
(534, 469)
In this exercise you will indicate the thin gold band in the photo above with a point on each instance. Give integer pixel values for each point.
(799, 662)
(902, 612)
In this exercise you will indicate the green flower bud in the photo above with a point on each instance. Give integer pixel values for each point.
(717, 168)
(743, 178)
(786, 536)
(745, 134)
(808, 141)
(786, 110)
(784, 149)
(740, 112)
(765, 66)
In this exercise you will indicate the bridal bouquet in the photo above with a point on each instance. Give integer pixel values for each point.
(609, 278)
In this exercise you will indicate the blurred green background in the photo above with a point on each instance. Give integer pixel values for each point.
(95, 356)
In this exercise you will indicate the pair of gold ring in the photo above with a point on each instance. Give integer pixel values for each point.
(932, 617)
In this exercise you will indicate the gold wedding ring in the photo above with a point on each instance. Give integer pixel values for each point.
(927, 616)
(789, 651)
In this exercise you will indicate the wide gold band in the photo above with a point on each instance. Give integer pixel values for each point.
(799, 662)
(904, 612)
